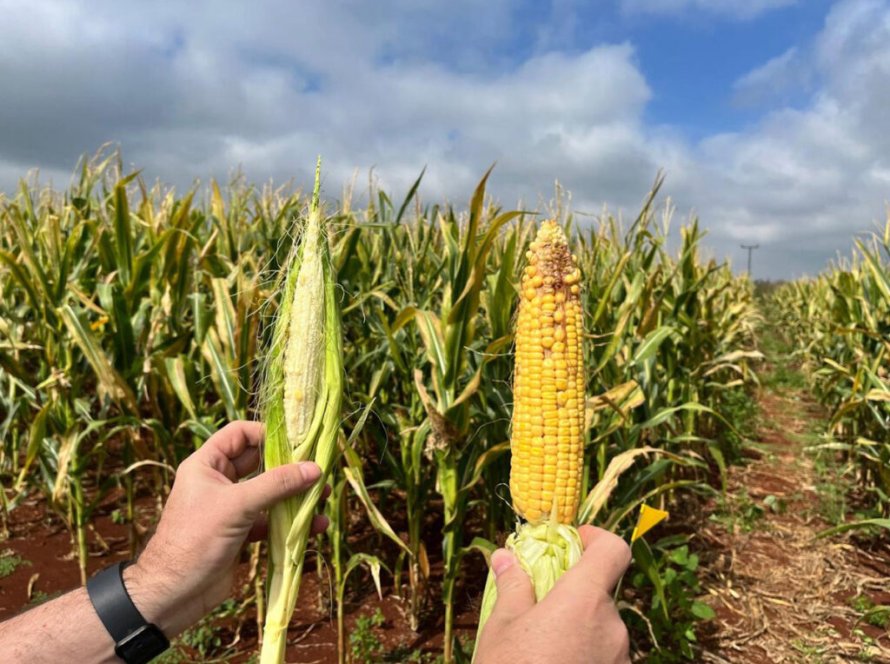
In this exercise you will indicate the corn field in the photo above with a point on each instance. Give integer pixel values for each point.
(133, 320)
(841, 320)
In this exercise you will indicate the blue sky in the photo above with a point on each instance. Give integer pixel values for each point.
(692, 63)
(768, 116)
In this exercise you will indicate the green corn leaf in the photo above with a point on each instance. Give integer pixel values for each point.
(110, 381)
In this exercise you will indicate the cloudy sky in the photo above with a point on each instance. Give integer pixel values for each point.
(770, 117)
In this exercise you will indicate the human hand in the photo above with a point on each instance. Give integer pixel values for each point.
(188, 566)
(576, 622)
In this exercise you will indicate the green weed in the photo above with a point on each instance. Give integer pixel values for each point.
(407, 655)
(875, 615)
(832, 488)
(10, 561)
(813, 654)
(204, 637)
(672, 578)
(172, 656)
(776, 505)
(364, 644)
(785, 375)
(39, 597)
(740, 512)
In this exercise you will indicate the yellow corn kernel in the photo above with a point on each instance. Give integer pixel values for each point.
(547, 436)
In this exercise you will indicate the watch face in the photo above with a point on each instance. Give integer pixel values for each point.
(142, 646)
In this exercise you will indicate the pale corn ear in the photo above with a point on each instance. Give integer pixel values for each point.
(304, 354)
(301, 396)
(547, 439)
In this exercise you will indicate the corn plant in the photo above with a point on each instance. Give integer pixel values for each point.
(840, 321)
(133, 324)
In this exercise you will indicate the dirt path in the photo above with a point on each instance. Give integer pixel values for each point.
(781, 594)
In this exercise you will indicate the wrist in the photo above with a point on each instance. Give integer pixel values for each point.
(157, 600)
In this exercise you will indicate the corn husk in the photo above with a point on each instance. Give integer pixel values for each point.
(301, 409)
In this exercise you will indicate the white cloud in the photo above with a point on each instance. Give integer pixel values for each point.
(803, 180)
(195, 93)
(740, 9)
(11, 173)
(776, 81)
(196, 90)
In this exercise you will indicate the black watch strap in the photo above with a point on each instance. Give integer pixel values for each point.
(135, 640)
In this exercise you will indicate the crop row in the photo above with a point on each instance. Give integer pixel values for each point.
(133, 319)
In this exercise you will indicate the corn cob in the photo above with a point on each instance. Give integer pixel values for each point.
(301, 398)
(547, 437)
(548, 389)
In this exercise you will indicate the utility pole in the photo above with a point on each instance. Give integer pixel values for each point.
(750, 248)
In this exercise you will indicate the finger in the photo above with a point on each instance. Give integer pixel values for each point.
(325, 494)
(588, 534)
(260, 528)
(606, 558)
(247, 462)
(236, 437)
(320, 524)
(515, 592)
(276, 484)
(234, 449)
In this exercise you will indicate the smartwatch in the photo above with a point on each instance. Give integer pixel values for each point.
(136, 641)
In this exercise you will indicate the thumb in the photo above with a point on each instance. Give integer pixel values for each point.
(276, 484)
(515, 592)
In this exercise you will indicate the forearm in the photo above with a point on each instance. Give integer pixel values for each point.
(55, 631)
(188, 566)
(59, 629)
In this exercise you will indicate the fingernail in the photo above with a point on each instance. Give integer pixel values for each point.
(501, 561)
(310, 471)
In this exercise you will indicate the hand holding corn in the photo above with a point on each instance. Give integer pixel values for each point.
(576, 622)
(188, 566)
(547, 443)
(301, 397)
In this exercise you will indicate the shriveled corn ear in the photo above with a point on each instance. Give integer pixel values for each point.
(547, 438)
(301, 398)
